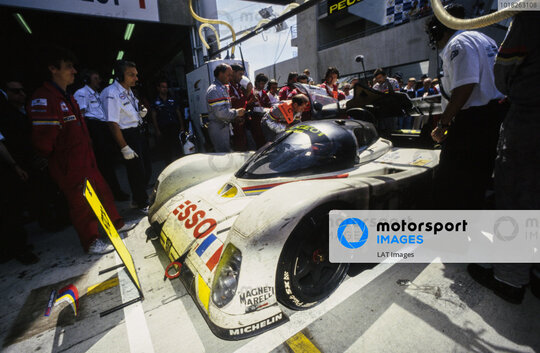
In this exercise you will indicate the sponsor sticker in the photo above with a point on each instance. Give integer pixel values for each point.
(64, 107)
(256, 326)
(256, 298)
(202, 227)
(69, 118)
(39, 102)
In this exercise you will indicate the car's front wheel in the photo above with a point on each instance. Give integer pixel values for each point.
(305, 276)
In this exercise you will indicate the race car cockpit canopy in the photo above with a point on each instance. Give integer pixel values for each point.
(316, 147)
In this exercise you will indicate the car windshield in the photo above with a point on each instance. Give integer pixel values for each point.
(303, 150)
(316, 94)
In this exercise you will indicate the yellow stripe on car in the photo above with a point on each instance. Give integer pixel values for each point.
(204, 293)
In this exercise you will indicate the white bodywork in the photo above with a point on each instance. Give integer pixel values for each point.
(259, 219)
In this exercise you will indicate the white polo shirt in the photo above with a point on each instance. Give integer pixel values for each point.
(469, 57)
(90, 102)
(120, 106)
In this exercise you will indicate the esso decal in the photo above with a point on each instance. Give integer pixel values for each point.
(193, 218)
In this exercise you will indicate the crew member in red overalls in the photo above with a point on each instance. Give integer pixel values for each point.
(59, 133)
(259, 108)
(238, 101)
(330, 84)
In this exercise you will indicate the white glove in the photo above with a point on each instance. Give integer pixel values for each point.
(143, 112)
(128, 153)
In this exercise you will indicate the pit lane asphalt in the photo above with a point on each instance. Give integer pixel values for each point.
(399, 308)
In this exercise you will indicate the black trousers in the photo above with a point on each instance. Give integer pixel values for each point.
(136, 170)
(105, 152)
(170, 145)
(13, 234)
(467, 157)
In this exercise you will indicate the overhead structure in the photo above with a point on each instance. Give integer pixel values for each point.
(208, 23)
(291, 10)
(473, 23)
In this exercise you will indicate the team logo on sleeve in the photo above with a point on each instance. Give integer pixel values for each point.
(40, 102)
(64, 107)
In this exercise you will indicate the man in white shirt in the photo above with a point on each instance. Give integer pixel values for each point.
(102, 143)
(272, 90)
(469, 125)
(124, 117)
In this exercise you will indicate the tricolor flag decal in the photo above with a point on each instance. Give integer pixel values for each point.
(69, 294)
(210, 251)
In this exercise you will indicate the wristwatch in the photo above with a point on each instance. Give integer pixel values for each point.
(440, 125)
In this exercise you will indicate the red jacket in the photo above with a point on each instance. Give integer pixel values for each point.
(59, 133)
(263, 99)
(284, 92)
(333, 91)
(238, 100)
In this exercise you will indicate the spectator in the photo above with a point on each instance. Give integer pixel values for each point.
(435, 85)
(220, 112)
(347, 91)
(286, 90)
(124, 117)
(410, 88)
(302, 79)
(285, 114)
(168, 122)
(398, 77)
(310, 79)
(383, 82)
(427, 89)
(59, 133)
(102, 142)
(469, 125)
(330, 84)
(272, 90)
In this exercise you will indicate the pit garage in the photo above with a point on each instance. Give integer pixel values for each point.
(377, 308)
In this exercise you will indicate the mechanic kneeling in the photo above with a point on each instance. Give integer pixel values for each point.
(285, 114)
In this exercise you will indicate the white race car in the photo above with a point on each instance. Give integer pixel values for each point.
(250, 230)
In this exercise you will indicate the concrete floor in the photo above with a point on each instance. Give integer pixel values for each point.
(399, 308)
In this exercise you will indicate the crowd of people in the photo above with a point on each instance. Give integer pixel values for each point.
(57, 141)
(51, 143)
(254, 110)
(253, 114)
